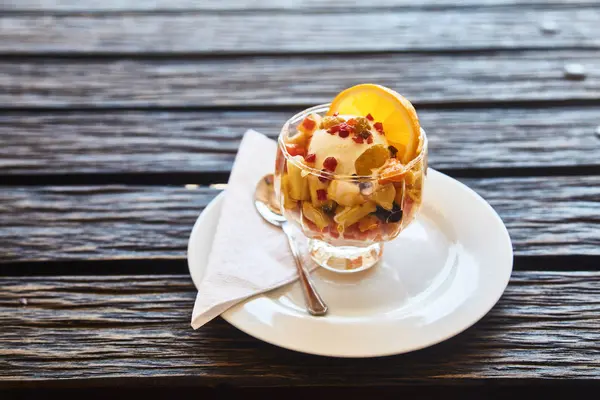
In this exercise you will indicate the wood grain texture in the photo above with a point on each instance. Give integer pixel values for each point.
(405, 30)
(245, 5)
(545, 327)
(296, 80)
(551, 216)
(167, 141)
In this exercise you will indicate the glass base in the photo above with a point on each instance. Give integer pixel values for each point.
(344, 259)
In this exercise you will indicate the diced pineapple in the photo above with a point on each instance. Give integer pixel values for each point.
(345, 193)
(315, 215)
(315, 184)
(399, 197)
(369, 222)
(385, 196)
(351, 215)
(298, 185)
(288, 202)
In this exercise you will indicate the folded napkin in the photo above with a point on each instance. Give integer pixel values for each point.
(249, 256)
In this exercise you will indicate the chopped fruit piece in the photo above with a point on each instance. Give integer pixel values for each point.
(297, 183)
(288, 202)
(335, 114)
(385, 196)
(378, 126)
(322, 194)
(315, 215)
(414, 179)
(310, 158)
(370, 117)
(387, 216)
(391, 172)
(395, 112)
(328, 122)
(344, 133)
(370, 139)
(315, 185)
(351, 215)
(345, 193)
(358, 139)
(393, 151)
(351, 122)
(309, 124)
(330, 164)
(369, 222)
(334, 129)
(295, 149)
(372, 158)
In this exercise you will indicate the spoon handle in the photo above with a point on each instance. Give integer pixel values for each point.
(314, 303)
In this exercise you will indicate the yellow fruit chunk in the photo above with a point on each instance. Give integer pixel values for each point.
(369, 222)
(397, 114)
(345, 193)
(351, 215)
(288, 202)
(315, 215)
(372, 158)
(391, 172)
(384, 197)
(298, 185)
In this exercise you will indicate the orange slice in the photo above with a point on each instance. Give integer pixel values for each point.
(394, 111)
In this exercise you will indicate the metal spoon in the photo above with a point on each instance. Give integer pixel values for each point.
(267, 206)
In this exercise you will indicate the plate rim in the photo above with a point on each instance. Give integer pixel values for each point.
(239, 323)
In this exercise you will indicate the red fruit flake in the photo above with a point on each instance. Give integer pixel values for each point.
(358, 139)
(351, 122)
(295, 150)
(330, 164)
(322, 194)
(335, 114)
(378, 127)
(309, 124)
(370, 117)
(310, 157)
(334, 129)
(370, 139)
(344, 133)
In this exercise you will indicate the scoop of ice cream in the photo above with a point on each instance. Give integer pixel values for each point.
(344, 149)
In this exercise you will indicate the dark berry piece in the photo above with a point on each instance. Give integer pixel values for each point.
(370, 117)
(310, 158)
(393, 151)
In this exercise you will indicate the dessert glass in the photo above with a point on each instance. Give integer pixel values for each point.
(347, 237)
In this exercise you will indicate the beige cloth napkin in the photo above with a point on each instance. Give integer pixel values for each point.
(249, 256)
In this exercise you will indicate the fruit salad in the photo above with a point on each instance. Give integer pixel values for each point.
(351, 173)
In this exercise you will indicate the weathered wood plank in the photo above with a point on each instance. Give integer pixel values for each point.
(545, 327)
(245, 5)
(548, 216)
(296, 80)
(404, 30)
(159, 141)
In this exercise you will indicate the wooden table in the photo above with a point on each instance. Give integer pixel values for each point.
(112, 112)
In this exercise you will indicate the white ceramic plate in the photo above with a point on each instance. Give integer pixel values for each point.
(440, 276)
